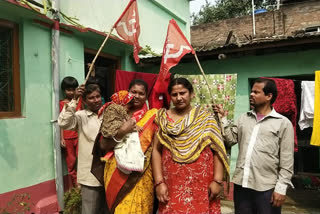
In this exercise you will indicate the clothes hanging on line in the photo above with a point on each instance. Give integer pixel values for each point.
(315, 138)
(307, 104)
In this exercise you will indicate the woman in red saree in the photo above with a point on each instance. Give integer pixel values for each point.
(188, 157)
(130, 193)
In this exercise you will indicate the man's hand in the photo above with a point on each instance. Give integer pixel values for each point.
(214, 189)
(277, 199)
(79, 91)
(217, 108)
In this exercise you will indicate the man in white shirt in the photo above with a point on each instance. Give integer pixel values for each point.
(266, 152)
(87, 124)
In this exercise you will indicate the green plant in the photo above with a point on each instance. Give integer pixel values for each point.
(72, 201)
(19, 204)
(147, 50)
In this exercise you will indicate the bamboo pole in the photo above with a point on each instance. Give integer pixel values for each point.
(211, 95)
(97, 54)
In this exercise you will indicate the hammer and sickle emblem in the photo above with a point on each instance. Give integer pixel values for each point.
(169, 55)
(131, 22)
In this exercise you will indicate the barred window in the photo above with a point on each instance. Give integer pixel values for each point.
(9, 70)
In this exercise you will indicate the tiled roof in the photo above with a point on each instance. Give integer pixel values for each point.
(254, 44)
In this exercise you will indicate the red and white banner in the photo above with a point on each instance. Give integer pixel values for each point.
(175, 47)
(128, 27)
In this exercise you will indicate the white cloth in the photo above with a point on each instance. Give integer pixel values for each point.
(129, 155)
(307, 104)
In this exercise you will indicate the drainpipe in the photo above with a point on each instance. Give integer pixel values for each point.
(253, 20)
(55, 49)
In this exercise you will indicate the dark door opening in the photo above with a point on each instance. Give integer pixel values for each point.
(104, 73)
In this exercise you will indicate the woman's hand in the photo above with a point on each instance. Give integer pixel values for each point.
(128, 126)
(214, 190)
(139, 129)
(162, 193)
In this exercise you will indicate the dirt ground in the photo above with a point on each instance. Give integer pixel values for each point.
(300, 201)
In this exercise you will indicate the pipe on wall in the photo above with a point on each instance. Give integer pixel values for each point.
(55, 49)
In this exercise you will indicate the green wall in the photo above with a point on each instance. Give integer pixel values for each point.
(274, 65)
(154, 17)
(71, 57)
(26, 142)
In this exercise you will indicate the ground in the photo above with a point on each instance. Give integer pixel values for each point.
(301, 201)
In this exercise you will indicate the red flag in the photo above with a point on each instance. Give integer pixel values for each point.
(175, 47)
(128, 27)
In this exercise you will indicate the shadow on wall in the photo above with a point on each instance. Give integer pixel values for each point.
(7, 150)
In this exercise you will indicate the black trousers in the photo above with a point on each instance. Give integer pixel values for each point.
(248, 201)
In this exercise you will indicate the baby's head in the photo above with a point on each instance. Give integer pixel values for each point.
(122, 98)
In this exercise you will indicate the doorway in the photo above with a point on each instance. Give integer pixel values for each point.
(104, 72)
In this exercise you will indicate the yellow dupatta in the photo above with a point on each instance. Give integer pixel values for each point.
(187, 137)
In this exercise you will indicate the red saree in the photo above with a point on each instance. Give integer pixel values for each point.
(188, 185)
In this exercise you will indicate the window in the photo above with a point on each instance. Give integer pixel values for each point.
(314, 29)
(9, 70)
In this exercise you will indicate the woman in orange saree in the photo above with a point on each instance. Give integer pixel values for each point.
(131, 193)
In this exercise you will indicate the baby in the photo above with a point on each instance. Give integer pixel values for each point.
(128, 152)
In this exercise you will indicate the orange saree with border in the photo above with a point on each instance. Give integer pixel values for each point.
(132, 193)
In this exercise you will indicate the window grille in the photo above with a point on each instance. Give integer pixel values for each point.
(10, 103)
(6, 70)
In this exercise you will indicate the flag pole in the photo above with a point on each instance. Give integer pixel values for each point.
(211, 95)
(204, 76)
(97, 54)
(105, 40)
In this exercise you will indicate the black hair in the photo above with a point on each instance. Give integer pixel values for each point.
(139, 82)
(92, 80)
(89, 89)
(270, 87)
(180, 81)
(69, 82)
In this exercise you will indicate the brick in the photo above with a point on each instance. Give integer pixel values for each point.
(291, 17)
